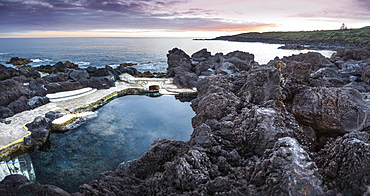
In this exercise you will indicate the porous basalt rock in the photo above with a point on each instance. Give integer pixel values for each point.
(332, 110)
(353, 53)
(180, 68)
(287, 169)
(262, 84)
(344, 163)
(18, 61)
(77, 75)
(298, 68)
(186, 70)
(17, 184)
(23, 88)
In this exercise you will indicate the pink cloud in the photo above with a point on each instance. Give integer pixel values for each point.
(232, 27)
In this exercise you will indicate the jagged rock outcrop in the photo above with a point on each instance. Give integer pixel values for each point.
(186, 70)
(353, 53)
(18, 61)
(24, 88)
(297, 69)
(332, 110)
(17, 184)
(77, 75)
(262, 84)
(287, 169)
(344, 163)
(180, 68)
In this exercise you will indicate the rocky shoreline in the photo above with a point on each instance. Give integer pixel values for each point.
(24, 88)
(296, 126)
(298, 43)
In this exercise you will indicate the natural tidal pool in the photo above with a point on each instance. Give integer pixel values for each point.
(122, 130)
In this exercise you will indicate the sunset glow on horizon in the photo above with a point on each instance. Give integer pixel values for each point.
(175, 18)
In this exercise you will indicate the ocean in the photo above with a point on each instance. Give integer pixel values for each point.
(148, 53)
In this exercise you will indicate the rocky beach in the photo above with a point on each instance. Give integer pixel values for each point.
(298, 125)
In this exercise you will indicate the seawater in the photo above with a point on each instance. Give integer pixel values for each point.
(121, 131)
(148, 53)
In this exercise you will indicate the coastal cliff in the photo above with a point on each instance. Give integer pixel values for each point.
(296, 126)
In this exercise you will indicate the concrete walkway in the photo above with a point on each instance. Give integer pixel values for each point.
(68, 103)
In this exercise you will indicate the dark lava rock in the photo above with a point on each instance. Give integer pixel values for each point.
(23, 88)
(5, 112)
(59, 67)
(111, 74)
(12, 89)
(353, 53)
(71, 65)
(62, 86)
(298, 68)
(237, 61)
(37, 101)
(262, 84)
(91, 69)
(287, 169)
(16, 184)
(365, 75)
(8, 72)
(201, 55)
(59, 77)
(77, 75)
(32, 73)
(332, 110)
(10, 185)
(127, 64)
(38, 189)
(186, 70)
(19, 94)
(97, 82)
(19, 105)
(130, 70)
(146, 74)
(39, 122)
(179, 67)
(177, 58)
(18, 61)
(36, 86)
(344, 163)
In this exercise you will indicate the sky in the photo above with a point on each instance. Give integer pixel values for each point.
(175, 18)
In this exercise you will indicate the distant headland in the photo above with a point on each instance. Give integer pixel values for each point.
(319, 39)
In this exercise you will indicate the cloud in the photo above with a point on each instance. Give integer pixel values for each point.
(343, 10)
(334, 15)
(365, 4)
(231, 27)
(32, 12)
(68, 15)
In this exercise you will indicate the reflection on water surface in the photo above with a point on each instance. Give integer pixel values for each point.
(122, 130)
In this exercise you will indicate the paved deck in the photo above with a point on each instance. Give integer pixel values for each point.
(12, 134)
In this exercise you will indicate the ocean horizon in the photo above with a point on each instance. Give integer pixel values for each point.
(148, 53)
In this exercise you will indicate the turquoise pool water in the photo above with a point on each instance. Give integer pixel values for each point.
(122, 130)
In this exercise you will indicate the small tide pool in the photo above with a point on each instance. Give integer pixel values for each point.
(121, 131)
